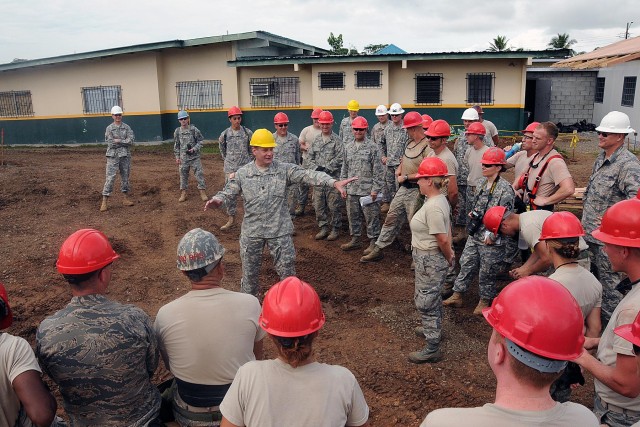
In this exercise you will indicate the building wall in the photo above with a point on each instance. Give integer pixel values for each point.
(572, 94)
(614, 78)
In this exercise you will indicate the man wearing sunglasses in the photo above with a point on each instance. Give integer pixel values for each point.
(287, 150)
(119, 138)
(615, 177)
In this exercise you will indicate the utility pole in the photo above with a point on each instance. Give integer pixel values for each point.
(626, 33)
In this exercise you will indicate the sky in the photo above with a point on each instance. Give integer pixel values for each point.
(32, 29)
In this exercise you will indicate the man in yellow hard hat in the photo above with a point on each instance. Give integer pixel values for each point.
(263, 185)
(345, 133)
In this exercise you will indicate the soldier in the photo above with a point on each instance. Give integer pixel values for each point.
(263, 183)
(483, 249)
(615, 177)
(344, 133)
(460, 148)
(100, 353)
(235, 152)
(377, 132)
(222, 325)
(438, 143)
(492, 131)
(520, 163)
(24, 397)
(614, 368)
(326, 155)
(362, 159)
(537, 328)
(187, 143)
(306, 138)
(119, 138)
(394, 142)
(287, 151)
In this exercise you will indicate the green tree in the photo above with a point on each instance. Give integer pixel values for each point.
(562, 41)
(499, 44)
(370, 49)
(336, 44)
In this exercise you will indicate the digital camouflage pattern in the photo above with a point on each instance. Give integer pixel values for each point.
(327, 156)
(288, 151)
(251, 252)
(396, 139)
(401, 210)
(234, 148)
(430, 273)
(118, 156)
(459, 150)
(344, 132)
(198, 248)
(187, 144)
(102, 355)
(377, 136)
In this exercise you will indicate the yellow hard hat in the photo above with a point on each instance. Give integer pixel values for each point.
(353, 105)
(263, 138)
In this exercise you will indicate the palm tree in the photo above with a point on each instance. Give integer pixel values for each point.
(562, 41)
(499, 44)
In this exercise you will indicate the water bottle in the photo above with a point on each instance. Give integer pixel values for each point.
(514, 149)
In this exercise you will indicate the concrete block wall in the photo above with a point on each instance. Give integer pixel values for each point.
(572, 94)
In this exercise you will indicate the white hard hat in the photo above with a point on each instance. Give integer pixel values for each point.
(396, 109)
(116, 110)
(470, 114)
(615, 122)
(381, 110)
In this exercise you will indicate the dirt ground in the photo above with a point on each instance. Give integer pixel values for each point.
(47, 193)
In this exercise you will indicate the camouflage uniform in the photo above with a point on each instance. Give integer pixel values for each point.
(288, 151)
(377, 134)
(344, 133)
(478, 256)
(612, 180)
(327, 156)
(236, 152)
(395, 140)
(182, 139)
(459, 150)
(430, 273)
(118, 156)
(102, 355)
(266, 216)
(362, 159)
(304, 189)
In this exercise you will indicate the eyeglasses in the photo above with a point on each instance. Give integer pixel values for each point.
(603, 134)
(358, 130)
(283, 125)
(488, 166)
(184, 118)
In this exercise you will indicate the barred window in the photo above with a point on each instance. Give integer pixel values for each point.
(599, 89)
(275, 92)
(16, 104)
(100, 99)
(199, 95)
(628, 91)
(331, 80)
(480, 88)
(429, 88)
(368, 79)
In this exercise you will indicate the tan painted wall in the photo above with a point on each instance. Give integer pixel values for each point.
(303, 74)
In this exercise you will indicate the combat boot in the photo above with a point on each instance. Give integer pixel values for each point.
(299, 210)
(482, 304)
(384, 208)
(426, 355)
(419, 331)
(127, 201)
(447, 290)
(374, 255)
(372, 244)
(333, 235)
(183, 196)
(353, 244)
(454, 300)
(203, 195)
(229, 223)
(103, 206)
(322, 234)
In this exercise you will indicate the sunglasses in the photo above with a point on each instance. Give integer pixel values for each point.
(488, 166)
(283, 125)
(358, 130)
(183, 119)
(603, 134)
(433, 138)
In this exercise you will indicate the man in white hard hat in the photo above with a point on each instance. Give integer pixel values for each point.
(392, 148)
(119, 138)
(492, 130)
(615, 177)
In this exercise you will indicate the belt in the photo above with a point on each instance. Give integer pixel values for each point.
(618, 409)
(410, 185)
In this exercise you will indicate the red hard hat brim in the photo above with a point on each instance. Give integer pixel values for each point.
(613, 240)
(626, 332)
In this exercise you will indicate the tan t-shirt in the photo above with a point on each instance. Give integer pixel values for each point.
(413, 156)
(531, 229)
(432, 218)
(520, 163)
(449, 159)
(583, 285)
(473, 158)
(206, 335)
(555, 173)
(307, 135)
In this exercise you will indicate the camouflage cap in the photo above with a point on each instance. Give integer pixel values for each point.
(198, 248)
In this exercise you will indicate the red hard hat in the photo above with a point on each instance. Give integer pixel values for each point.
(291, 308)
(439, 129)
(531, 127)
(234, 111)
(476, 128)
(315, 114)
(561, 225)
(493, 218)
(280, 118)
(85, 251)
(411, 119)
(325, 117)
(426, 121)
(541, 316)
(6, 316)
(494, 156)
(359, 123)
(629, 332)
(621, 224)
(432, 166)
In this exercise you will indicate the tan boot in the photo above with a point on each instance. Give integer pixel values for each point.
(229, 223)
(103, 206)
(374, 255)
(322, 234)
(384, 208)
(454, 300)
(354, 243)
(183, 196)
(372, 244)
(203, 195)
(127, 201)
(333, 235)
(482, 304)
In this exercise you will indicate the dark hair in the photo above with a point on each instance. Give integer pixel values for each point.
(196, 275)
(567, 248)
(78, 279)
(295, 350)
